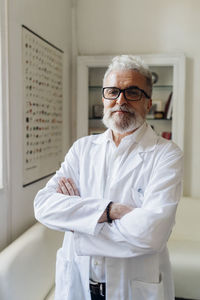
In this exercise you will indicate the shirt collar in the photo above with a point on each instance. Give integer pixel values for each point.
(133, 137)
(145, 136)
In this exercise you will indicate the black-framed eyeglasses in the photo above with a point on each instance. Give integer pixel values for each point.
(132, 93)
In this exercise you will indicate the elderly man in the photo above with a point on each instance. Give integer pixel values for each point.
(115, 197)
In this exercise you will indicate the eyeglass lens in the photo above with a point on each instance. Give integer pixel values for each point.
(130, 93)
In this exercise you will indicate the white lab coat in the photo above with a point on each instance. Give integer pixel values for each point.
(137, 263)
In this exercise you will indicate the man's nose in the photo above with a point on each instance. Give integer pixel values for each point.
(121, 99)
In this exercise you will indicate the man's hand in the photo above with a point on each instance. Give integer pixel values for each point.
(67, 186)
(117, 211)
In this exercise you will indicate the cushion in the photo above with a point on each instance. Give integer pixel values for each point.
(185, 260)
(27, 266)
(51, 294)
(187, 225)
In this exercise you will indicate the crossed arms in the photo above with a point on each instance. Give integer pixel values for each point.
(133, 232)
(68, 187)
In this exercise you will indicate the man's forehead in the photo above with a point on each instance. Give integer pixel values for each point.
(125, 77)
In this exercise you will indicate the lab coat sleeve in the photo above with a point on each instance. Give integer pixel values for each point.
(146, 229)
(62, 212)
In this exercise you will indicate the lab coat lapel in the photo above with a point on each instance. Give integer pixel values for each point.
(131, 163)
(100, 163)
(135, 158)
(145, 143)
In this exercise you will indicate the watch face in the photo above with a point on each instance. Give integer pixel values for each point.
(154, 77)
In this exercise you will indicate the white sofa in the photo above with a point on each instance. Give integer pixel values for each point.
(27, 266)
(184, 249)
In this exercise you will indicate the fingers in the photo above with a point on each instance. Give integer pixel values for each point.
(58, 190)
(67, 186)
(75, 190)
(62, 189)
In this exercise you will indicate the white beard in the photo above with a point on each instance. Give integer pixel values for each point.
(122, 123)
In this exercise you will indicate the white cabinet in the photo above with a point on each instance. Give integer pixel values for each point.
(170, 71)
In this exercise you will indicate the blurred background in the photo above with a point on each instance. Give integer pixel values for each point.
(89, 28)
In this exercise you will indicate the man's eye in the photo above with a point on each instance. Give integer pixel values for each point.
(112, 92)
(132, 92)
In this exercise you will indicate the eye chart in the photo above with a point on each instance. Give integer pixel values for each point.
(43, 100)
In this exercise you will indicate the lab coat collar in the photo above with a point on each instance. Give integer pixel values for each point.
(145, 137)
(148, 140)
(144, 141)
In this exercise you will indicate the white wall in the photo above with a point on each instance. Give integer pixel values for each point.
(52, 20)
(102, 27)
(156, 26)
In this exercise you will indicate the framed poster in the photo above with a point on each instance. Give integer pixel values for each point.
(43, 104)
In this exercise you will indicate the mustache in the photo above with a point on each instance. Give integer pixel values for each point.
(122, 108)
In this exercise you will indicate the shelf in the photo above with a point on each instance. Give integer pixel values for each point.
(154, 86)
(163, 86)
(171, 73)
(95, 87)
(160, 125)
(96, 123)
(149, 119)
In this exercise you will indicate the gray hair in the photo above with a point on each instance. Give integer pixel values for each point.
(130, 62)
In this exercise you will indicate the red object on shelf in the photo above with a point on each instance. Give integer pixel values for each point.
(167, 135)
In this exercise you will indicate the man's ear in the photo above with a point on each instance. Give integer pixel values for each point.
(149, 104)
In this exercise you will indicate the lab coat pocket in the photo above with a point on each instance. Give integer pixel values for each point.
(144, 290)
(67, 278)
(138, 196)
